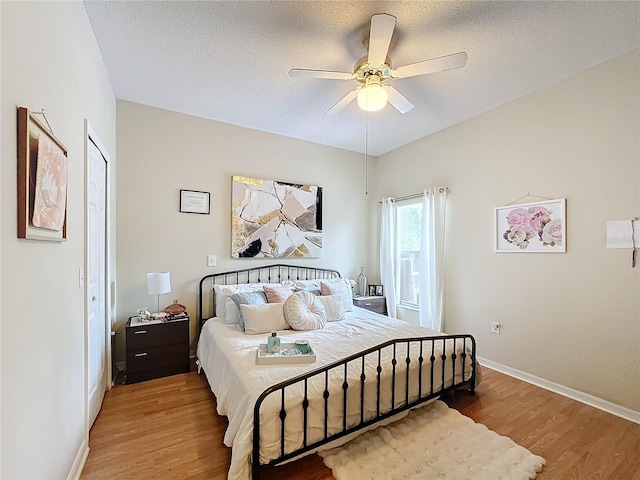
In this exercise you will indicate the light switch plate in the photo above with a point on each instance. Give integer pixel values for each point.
(211, 260)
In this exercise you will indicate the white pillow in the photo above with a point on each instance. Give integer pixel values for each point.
(234, 314)
(303, 311)
(333, 306)
(219, 300)
(263, 318)
(231, 312)
(340, 287)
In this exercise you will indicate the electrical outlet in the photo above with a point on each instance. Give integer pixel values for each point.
(495, 327)
(211, 260)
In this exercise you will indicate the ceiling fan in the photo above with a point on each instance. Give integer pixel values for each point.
(374, 70)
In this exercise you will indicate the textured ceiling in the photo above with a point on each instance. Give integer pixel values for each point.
(229, 61)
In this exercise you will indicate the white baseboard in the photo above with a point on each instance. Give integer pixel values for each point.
(78, 463)
(609, 407)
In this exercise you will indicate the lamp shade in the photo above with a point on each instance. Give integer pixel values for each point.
(158, 282)
(372, 96)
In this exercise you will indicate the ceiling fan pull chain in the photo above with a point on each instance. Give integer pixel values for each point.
(366, 152)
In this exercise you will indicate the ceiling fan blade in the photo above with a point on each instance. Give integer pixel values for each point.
(305, 73)
(343, 102)
(382, 26)
(399, 101)
(448, 62)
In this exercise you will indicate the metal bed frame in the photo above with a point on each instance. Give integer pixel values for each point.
(260, 274)
(428, 356)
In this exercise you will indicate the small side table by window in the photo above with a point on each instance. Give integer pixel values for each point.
(375, 304)
(157, 349)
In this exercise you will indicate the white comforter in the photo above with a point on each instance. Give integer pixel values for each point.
(228, 357)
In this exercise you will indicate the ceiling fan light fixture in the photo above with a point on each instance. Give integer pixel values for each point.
(374, 68)
(372, 96)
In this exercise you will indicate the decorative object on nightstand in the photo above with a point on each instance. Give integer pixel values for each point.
(361, 283)
(175, 308)
(352, 284)
(157, 348)
(157, 284)
(372, 303)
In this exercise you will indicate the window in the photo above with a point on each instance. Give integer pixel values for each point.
(412, 253)
(408, 221)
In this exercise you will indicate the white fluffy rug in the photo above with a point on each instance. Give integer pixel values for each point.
(432, 442)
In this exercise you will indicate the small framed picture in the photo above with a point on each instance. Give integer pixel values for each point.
(192, 201)
(371, 290)
(379, 290)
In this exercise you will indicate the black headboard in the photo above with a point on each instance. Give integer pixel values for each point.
(259, 274)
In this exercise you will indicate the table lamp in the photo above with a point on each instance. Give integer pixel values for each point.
(158, 283)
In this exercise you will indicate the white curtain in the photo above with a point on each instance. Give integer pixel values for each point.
(432, 241)
(388, 253)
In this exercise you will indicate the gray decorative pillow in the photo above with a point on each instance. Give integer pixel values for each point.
(243, 298)
(310, 289)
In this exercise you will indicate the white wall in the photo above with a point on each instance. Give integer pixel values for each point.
(572, 318)
(161, 152)
(50, 60)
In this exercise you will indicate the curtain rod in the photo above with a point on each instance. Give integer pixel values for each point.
(418, 195)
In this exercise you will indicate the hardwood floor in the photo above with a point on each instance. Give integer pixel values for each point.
(169, 429)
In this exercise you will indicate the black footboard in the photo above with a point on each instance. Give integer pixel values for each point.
(394, 376)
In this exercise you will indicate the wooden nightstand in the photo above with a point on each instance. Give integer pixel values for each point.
(374, 304)
(157, 349)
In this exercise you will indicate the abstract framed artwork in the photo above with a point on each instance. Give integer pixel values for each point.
(42, 181)
(538, 227)
(275, 219)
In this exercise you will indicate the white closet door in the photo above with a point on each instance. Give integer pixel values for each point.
(96, 286)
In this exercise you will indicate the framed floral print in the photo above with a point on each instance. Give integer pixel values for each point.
(42, 181)
(538, 227)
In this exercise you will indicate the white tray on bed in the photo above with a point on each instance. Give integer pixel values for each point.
(264, 358)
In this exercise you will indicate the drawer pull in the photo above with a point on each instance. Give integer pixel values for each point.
(367, 304)
(138, 332)
(144, 354)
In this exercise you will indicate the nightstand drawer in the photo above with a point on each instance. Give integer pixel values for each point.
(145, 336)
(373, 304)
(158, 357)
